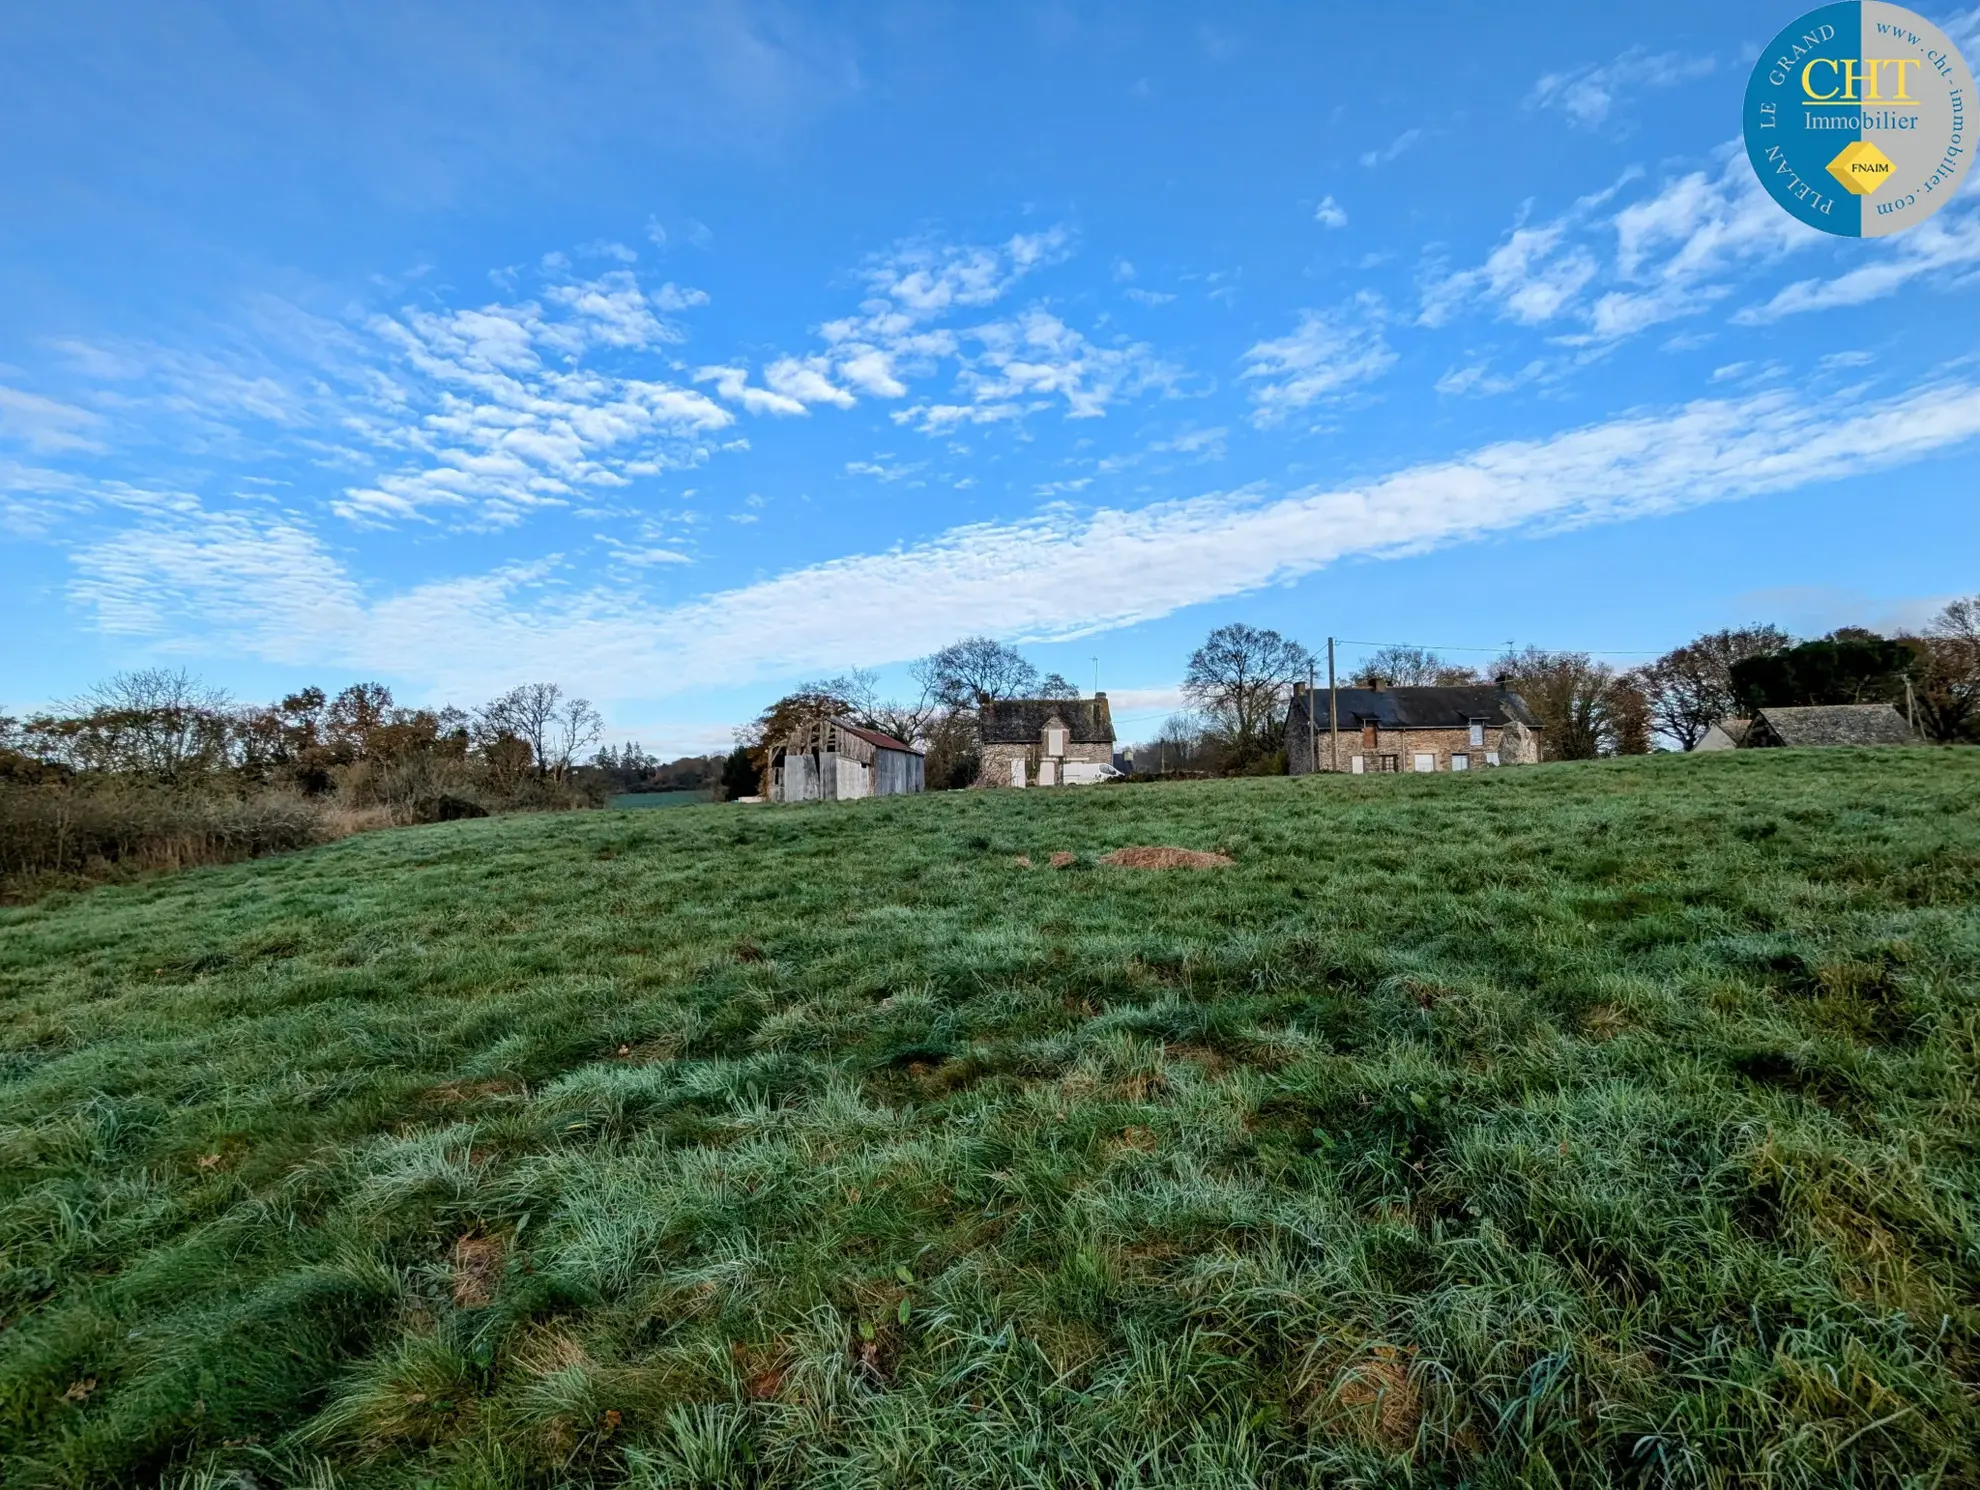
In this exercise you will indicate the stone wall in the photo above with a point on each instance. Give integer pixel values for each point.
(1514, 745)
(996, 770)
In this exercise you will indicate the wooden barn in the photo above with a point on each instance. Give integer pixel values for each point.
(830, 760)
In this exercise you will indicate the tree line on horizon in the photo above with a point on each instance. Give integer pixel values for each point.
(156, 767)
(1238, 685)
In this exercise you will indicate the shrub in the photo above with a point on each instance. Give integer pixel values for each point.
(100, 827)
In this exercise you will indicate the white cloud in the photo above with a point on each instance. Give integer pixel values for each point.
(1674, 250)
(44, 425)
(1147, 297)
(266, 587)
(1947, 246)
(1208, 444)
(483, 414)
(1330, 214)
(1602, 277)
(609, 311)
(807, 381)
(1004, 369)
(1532, 276)
(483, 422)
(885, 468)
(1328, 356)
(1389, 152)
(1035, 354)
(673, 297)
(1138, 712)
(240, 570)
(938, 419)
(1479, 379)
(1587, 94)
(731, 383)
(927, 278)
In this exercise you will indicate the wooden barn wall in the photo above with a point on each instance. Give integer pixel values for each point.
(896, 772)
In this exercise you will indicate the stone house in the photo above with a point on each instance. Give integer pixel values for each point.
(1829, 724)
(828, 760)
(1045, 741)
(1410, 729)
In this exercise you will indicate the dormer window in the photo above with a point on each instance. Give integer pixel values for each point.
(1478, 734)
(1055, 740)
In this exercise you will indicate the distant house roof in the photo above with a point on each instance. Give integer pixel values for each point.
(1418, 708)
(817, 733)
(1728, 734)
(1831, 724)
(1022, 721)
(873, 736)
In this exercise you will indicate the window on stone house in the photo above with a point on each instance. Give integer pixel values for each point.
(1478, 734)
(1055, 742)
(1367, 734)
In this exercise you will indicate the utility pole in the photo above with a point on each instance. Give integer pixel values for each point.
(1333, 714)
(1312, 725)
(1910, 707)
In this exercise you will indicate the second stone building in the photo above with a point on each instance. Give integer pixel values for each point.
(1046, 741)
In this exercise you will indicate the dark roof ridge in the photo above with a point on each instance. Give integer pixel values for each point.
(1429, 706)
(1021, 721)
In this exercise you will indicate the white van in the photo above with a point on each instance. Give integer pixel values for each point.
(1089, 773)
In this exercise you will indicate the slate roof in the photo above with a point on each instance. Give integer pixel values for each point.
(1021, 721)
(1419, 708)
(1832, 724)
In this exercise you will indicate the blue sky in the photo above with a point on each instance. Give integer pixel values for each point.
(681, 352)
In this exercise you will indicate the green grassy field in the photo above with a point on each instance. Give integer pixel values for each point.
(1606, 1123)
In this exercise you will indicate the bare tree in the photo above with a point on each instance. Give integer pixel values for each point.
(160, 722)
(1583, 707)
(1410, 667)
(1689, 689)
(975, 671)
(859, 698)
(556, 730)
(1946, 672)
(1239, 678)
(578, 728)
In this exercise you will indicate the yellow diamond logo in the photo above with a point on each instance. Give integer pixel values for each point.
(1861, 167)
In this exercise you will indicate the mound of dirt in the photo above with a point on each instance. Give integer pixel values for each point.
(1139, 857)
(1381, 1400)
(477, 1270)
